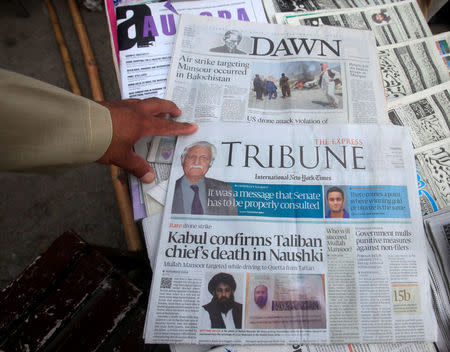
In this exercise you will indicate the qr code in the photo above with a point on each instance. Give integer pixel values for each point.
(166, 282)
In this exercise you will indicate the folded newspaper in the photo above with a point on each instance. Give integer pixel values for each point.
(391, 23)
(306, 234)
(426, 114)
(274, 7)
(275, 74)
(412, 66)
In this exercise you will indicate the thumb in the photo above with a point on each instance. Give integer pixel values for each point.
(139, 167)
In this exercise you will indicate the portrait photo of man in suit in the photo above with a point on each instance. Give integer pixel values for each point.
(231, 40)
(196, 194)
(222, 312)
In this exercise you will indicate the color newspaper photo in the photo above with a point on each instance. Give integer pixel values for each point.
(304, 85)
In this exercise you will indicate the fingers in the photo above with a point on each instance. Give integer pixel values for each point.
(156, 106)
(139, 167)
(167, 127)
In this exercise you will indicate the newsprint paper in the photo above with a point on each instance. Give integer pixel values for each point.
(426, 114)
(412, 66)
(275, 74)
(391, 23)
(273, 7)
(306, 234)
(146, 34)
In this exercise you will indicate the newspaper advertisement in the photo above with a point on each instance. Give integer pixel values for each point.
(275, 74)
(426, 114)
(413, 66)
(306, 234)
(146, 35)
(274, 6)
(390, 23)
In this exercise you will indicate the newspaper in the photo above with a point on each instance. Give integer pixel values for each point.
(267, 217)
(391, 23)
(427, 115)
(442, 44)
(413, 66)
(437, 228)
(438, 264)
(277, 74)
(439, 271)
(146, 38)
(274, 6)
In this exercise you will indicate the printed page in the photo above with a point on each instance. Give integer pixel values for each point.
(413, 66)
(274, 74)
(273, 7)
(390, 23)
(311, 234)
(146, 35)
(426, 114)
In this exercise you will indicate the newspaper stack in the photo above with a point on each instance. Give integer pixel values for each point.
(145, 36)
(273, 7)
(408, 67)
(265, 222)
(426, 113)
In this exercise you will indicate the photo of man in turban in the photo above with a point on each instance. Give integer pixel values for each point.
(223, 311)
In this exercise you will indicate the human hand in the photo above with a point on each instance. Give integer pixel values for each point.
(133, 119)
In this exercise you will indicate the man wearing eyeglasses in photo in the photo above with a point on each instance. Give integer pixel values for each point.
(231, 40)
(196, 194)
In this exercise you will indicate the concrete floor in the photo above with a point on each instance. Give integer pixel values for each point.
(35, 209)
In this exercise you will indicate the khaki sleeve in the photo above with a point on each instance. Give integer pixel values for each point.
(44, 127)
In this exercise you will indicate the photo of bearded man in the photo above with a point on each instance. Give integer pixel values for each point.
(222, 312)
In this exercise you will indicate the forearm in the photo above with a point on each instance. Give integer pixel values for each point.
(45, 127)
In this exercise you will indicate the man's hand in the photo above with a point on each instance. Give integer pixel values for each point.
(134, 119)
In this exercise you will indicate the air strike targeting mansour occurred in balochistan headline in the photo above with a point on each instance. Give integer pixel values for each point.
(306, 249)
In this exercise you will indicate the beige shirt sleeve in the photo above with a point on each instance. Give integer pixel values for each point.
(44, 127)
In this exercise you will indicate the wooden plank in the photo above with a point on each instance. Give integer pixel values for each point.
(56, 310)
(134, 341)
(98, 319)
(24, 292)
